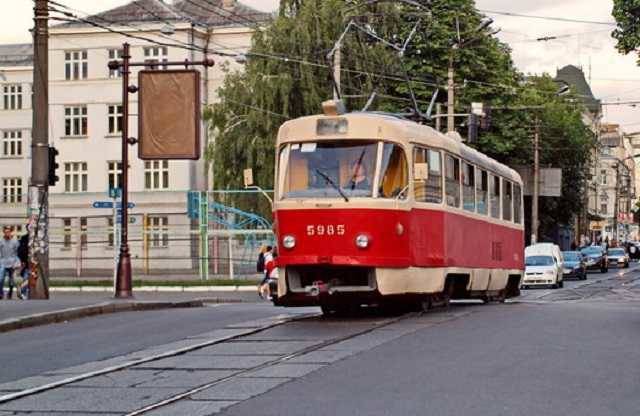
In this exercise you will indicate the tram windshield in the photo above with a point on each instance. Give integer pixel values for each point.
(343, 169)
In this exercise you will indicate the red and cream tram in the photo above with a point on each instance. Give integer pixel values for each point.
(371, 207)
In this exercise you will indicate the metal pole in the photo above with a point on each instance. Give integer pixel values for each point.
(438, 118)
(616, 207)
(337, 63)
(145, 242)
(536, 183)
(450, 96)
(123, 280)
(38, 188)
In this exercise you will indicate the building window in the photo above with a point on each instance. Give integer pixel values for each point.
(154, 55)
(75, 65)
(11, 190)
(603, 208)
(75, 121)
(83, 233)
(66, 223)
(156, 174)
(115, 119)
(158, 231)
(115, 54)
(603, 177)
(110, 231)
(12, 97)
(75, 177)
(11, 143)
(115, 174)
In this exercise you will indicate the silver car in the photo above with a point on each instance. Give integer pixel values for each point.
(618, 257)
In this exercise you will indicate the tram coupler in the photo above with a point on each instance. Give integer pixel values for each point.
(319, 288)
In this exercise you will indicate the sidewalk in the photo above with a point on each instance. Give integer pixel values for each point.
(16, 314)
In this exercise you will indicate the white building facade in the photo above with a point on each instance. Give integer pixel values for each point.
(85, 124)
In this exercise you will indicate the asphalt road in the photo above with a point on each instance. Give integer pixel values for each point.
(570, 351)
(32, 351)
(535, 357)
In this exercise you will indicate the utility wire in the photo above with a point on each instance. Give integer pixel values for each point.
(559, 19)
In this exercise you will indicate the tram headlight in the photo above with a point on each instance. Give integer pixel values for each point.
(362, 241)
(289, 241)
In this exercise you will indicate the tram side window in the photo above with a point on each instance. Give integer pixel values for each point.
(482, 188)
(420, 185)
(517, 204)
(452, 180)
(395, 172)
(468, 187)
(494, 194)
(431, 189)
(434, 182)
(507, 200)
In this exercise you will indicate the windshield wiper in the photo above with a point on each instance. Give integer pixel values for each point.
(332, 183)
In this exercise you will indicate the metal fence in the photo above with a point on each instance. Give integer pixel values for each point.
(215, 241)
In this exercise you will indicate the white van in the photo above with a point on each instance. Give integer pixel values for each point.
(543, 266)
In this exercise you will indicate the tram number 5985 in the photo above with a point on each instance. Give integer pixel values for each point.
(330, 229)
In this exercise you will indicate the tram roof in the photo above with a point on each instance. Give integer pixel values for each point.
(380, 126)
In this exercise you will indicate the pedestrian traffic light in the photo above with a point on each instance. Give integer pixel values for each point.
(53, 165)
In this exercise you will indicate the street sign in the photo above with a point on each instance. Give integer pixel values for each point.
(109, 204)
(102, 204)
(115, 193)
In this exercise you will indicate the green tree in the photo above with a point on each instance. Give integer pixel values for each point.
(287, 76)
(627, 33)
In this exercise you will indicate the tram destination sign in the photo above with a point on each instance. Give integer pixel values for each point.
(169, 114)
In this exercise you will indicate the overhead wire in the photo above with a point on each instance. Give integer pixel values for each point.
(552, 18)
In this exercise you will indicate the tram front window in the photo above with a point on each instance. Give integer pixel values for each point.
(329, 169)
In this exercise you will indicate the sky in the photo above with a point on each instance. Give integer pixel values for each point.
(614, 77)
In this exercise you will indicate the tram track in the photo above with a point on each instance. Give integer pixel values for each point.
(155, 357)
(279, 360)
(247, 336)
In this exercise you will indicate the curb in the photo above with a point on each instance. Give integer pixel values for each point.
(68, 314)
(103, 289)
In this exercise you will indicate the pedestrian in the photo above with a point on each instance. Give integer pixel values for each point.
(269, 265)
(260, 262)
(8, 259)
(23, 255)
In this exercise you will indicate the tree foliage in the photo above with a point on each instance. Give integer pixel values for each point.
(287, 76)
(627, 15)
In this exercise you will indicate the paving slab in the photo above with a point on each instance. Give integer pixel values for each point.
(240, 388)
(220, 333)
(92, 366)
(154, 378)
(322, 357)
(209, 362)
(31, 382)
(255, 348)
(285, 370)
(365, 341)
(192, 408)
(83, 399)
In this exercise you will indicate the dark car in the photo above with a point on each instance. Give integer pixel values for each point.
(595, 257)
(574, 265)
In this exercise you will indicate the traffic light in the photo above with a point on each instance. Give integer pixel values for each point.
(485, 121)
(53, 165)
(472, 136)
